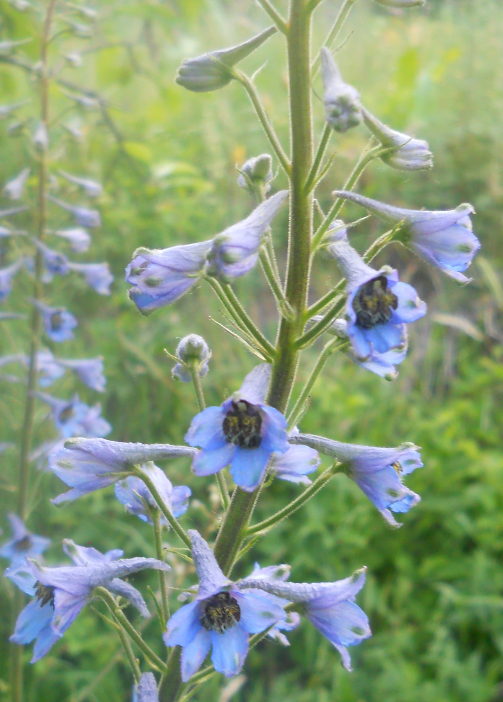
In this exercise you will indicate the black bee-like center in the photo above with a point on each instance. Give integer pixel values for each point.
(242, 425)
(44, 593)
(374, 303)
(221, 613)
(23, 544)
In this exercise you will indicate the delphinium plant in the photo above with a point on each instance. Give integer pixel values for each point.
(254, 437)
(46, 215)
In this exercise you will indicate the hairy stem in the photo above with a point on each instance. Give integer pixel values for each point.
(320, 152)
(163, 583)
(164, 509)
(274, 15)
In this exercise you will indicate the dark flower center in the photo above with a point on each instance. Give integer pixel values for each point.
(221, 612)
(23, 544)
(373, 303)
(66, 414)
(56, 321)
(44, 593)
(242, 425)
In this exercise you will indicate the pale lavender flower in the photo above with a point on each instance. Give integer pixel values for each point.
(97, 275)
(58, 323)
(74, 59)
(378, 472)
(343, 108)
(235, 251)
(9, 44)
(405, 153)
(49, 368)
(89, 370)
(73, 417)
(7, 278)
(295, 464)
(84, 217)
(41, 137)
(86, 101)
(91, 187)
(23, 543)
(87, 465)
(444, 238)
(55, 262)
(78, 238)
(12, 211)
(256, 174)
(146, 690)
(14, 188)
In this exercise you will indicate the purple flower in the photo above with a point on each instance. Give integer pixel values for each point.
(84, 217)
(244, 432)
(41, 137)
(61, 593)
(14, 188)
(23, 543)
(97, 275)
(162, 276)
(443, 238)
(78, 238)
(138, 500)
(295, 464)
(58, 323)
(49, 368)
(221, 618)
(343, 109)
(235, 251)
(7, 278)
(329, 606)
(87, 465)
(73, 417)
(404, 152)
(378, 472)
(91, 187)
(378, 306)
(89, 370)
(56, 263)
(146, 690)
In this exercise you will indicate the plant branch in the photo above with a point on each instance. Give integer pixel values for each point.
(155, 494)
(342, 16)
(274, 15)
(156, 519)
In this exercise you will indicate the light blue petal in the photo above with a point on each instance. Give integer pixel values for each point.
(384, 337)
(208, 462)
(345, 624)
(45, 641)
(183, 625)
(248, 467)
(229, 650)
(194, 653)
(211, 578)
(258, 611)
(410, 308)
(274, 436)
(206, 430)
(147, 689)
(66, 609)
(30, 622)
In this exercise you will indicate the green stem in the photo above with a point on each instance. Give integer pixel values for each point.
(324, 301)
(133, 663)
(317, 329)
(263, 118)
(308, 493)
(274, 284)
(320, 152)
(274, 15)
(163, 583)
(217, 288)
(171, 520)
(297, 411)
(245, 319)
(171, 684)
(334, 31)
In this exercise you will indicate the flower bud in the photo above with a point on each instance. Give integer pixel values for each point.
(213, 70)
(14, 188)
(193, 352)
(41, 137)
(256, 174)
(400, 4)
(405, 153)
(343, 109)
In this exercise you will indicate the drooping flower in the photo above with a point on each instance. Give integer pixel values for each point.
(12, 211)
(41, 137)
(89, 370)
(213, 70)
(87, 465)
(244, 432)
(406, 153)
(8, 44)
(330, 607)
(295, 464)
(137, 498)
(58, 323)
(220, 618)
(378, 306)
(235, 251)
(23, 543)
(7, 278)
(161, 276)
(192, 352)
(256, 174)
(444, 238)
(6, 110)
(78, 238)
(97, 275)
(49, 368)
(91, 187)
(75, 418)
(378, 472)
(55, 262)
(84, 217)
(343, 108)
(146, 691)
(14, 188)
(61, 593)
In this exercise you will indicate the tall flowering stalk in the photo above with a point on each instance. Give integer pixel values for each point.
(253, 436)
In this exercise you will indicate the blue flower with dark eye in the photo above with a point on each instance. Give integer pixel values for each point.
(244, 432)
(7, 278)
(329, 606)
(221, 617)
(97, 275)
(443, 238)
(87, 465)
(378, 472)
(75, 418)
(162, 276)
(61, 593)
(58, 323)
(55, 263)
(89, 370)
(23, 544)
(135, 495)
(378, 305)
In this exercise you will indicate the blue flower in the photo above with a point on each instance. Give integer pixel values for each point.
(78, 238)
(378, 306)
(162, 276)
(146, 691)
(7, 278)
(87, 465)
(61, 593)
(23, 544)
(221, 618)
(443, 238)
(91, 187)
(329, 606)
(295, 464)
(404, 152)
(55, 263)
(58, 323)
(135, 495)
(244, 432)
(343, 108)
(378, 472)
(235, 251)
(89, 370)
(74, 418)
(49, 368)
(97, 275)
(14, 188)
(84, 217)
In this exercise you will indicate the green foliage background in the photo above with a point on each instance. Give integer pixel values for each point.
(434, 592)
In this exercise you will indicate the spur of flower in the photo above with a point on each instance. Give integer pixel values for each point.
(23, 543)
(87, 465)
(378, 305)
(220, 618)
(243, 432)
(59, 594)
(378, 472)
(443, 238)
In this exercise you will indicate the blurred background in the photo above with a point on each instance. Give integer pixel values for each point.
(167, 160)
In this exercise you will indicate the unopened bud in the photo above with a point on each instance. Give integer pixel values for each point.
(343, 109)
(256, 174)
(41, 137)
(194, 355)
